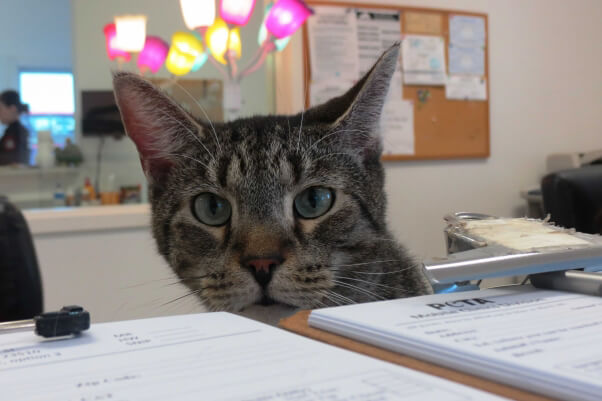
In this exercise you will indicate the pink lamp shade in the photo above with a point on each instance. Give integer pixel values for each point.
(113, 52)
(236, 12)
(286, 16)
(153, 54)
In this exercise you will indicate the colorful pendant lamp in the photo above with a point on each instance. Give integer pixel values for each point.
(286, 16)
(236, 12)
(131, 32)
(111, 41)
(184, 50)
(263, 32)
(198, 13)
(153, 54)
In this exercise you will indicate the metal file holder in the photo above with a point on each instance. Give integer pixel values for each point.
(471, 259)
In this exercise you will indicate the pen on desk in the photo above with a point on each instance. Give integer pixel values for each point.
(569, 280)
(70, 320)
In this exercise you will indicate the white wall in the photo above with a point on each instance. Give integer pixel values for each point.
(545, 76)
(35, 34)
(93, 69)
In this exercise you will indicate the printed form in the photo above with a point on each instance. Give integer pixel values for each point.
(210, 356)
(542, 341)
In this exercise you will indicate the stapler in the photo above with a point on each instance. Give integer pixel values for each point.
(481, 246)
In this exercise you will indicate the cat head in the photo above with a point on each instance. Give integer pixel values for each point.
(270, 208)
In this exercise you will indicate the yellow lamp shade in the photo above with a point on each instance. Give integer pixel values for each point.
(217, 39)
(184, 50)
(234, 45)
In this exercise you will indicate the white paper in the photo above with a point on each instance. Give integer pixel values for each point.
(333, 43)
(423, 59)
(467, 31)
(213, 356)
(466, 60)
(466, 87)
(377, 30)
(542, 341)
(397, 127)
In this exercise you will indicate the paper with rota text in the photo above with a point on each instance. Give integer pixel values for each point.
(211, 356)
(542, 341)
(371, 32)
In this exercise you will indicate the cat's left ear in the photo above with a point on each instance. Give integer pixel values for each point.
(357, 113)
(159, 127)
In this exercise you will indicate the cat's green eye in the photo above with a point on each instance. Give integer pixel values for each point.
(314, 202)
(211, 209)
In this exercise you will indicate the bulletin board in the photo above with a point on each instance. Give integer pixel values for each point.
(444, 128)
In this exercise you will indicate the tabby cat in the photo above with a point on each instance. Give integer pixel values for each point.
(272, 209)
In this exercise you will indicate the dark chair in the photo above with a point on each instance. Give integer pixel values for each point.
(20, 283)
(573, 198)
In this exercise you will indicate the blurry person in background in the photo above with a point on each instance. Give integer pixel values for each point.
(14, 146)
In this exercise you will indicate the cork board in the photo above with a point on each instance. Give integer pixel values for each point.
(443, 128)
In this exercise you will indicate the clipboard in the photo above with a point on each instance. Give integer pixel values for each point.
(298, 324)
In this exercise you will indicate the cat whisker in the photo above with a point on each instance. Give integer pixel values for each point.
(326, 136)
(204, 112)
(378, 273)
(195, 136)
(347, 301)
(188, 157)
(368, 263)
(194, 292)
(331, 154)
(371, 283)
(356, 288)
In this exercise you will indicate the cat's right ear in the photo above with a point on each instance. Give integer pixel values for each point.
(156, 124)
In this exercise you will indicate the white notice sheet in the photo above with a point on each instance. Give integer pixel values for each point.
(423, 59)
(210, 356)
(543, 341)
(333, 44)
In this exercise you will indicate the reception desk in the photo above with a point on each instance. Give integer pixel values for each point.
(104, 258)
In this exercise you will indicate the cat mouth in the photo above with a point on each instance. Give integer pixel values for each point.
(266, 301)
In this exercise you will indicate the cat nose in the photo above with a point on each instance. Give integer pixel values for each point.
(262, 269)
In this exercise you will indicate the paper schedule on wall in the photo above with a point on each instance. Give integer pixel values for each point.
(333, 44)
(423, 59)
(397, 127)
(466, 60)
(466, 31)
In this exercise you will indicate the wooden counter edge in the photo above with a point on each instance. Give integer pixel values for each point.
(298, 324)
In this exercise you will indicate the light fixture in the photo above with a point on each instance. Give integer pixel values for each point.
(221, 37)
(131, 32)
(216, 39)
(111, 41)
(184, 50)
(262, 35)
(153, 54)
(286, 16)
(198, 13)
(236, 12)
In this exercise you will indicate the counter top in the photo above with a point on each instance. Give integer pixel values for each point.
(88, 218)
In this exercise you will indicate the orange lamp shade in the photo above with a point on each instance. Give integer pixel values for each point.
(184, 50)
(111, 40)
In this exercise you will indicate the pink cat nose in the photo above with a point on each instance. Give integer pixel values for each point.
(262, 269)
(262, 265)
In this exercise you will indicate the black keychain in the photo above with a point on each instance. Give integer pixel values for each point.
(70, 320)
